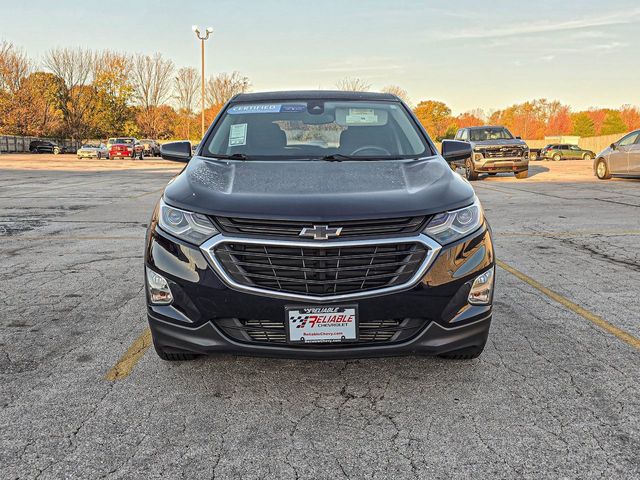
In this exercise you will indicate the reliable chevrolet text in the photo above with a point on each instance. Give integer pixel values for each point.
(323, 225)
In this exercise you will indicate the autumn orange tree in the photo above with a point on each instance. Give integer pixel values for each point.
(435, 116)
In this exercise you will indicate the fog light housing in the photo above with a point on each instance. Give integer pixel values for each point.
(158, 288)
(482, 289)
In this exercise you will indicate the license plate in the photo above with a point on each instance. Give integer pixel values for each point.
(322, 324)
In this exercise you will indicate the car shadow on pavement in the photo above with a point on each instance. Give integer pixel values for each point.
(536, 170)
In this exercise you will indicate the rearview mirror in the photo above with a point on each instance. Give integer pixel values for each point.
(176, 151)
(453, 150)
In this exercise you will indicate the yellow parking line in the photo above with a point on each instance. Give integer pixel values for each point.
(584, 313)
(131, 357)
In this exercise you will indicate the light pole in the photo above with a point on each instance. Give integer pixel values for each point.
(202, 36)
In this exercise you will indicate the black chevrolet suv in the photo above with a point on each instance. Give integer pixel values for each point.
(318, 224)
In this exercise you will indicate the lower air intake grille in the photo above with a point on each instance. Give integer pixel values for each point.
(321, 271)
(273, 332)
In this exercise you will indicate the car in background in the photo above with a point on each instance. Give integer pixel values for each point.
(544, 150)
(45, 146)
(565, 151)
(150, 147)
(620, 159)
(93, 150)
(495, 150)
(126, 147)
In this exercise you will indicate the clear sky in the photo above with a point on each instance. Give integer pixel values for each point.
(468, 53)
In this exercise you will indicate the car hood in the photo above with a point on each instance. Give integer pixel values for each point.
(500, 143)
(317, 190)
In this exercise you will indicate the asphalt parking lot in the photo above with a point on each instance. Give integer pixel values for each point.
(556, 394)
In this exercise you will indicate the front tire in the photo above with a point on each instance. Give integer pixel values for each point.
(464, 353)
(470, 171)
(587, 157)
(602, 170)
(557, 157)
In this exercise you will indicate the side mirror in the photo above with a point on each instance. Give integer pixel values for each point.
(613, 146)
(453, 150)
(176, 151)
(518, 138)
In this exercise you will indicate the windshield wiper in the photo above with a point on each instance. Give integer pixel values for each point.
(235, 156)
(338, 157)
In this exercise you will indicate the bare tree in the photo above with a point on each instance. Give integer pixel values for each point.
(187, 82)
(223, 86)
(152, 77)
(152, 82)
(187, 86)
(399, 92)
(14, 67)
(75, 67)
(353, 84)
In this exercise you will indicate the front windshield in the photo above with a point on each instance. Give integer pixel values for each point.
(490, 133)
(90, 145)
(123, 140)
(316, 129)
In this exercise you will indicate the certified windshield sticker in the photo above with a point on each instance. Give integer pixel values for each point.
(257, 108)
(238, 135)
(361, 116)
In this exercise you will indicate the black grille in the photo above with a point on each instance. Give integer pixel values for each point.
(369, 331)
(503, 152)
(321, 271)
(350, 228)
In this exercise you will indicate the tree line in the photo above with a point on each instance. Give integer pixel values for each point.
(80, 94)
(531, 120)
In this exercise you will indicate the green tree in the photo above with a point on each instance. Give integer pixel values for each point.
(583, 126)
(435, 117)
(613, 123)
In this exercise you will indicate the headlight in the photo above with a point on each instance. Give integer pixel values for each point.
(451, 226)
(188, 226)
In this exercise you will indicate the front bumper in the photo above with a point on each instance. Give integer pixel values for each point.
(204, 305)
(500, 164)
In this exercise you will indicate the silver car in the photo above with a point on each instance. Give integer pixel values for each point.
(620, 159)
(93, 150)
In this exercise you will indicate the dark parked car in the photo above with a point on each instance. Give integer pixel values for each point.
(566, 151)
(495, 150)
(45, 146)
(318, 224)
(620, 159)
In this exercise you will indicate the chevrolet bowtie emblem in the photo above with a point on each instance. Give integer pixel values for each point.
(321, 232)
